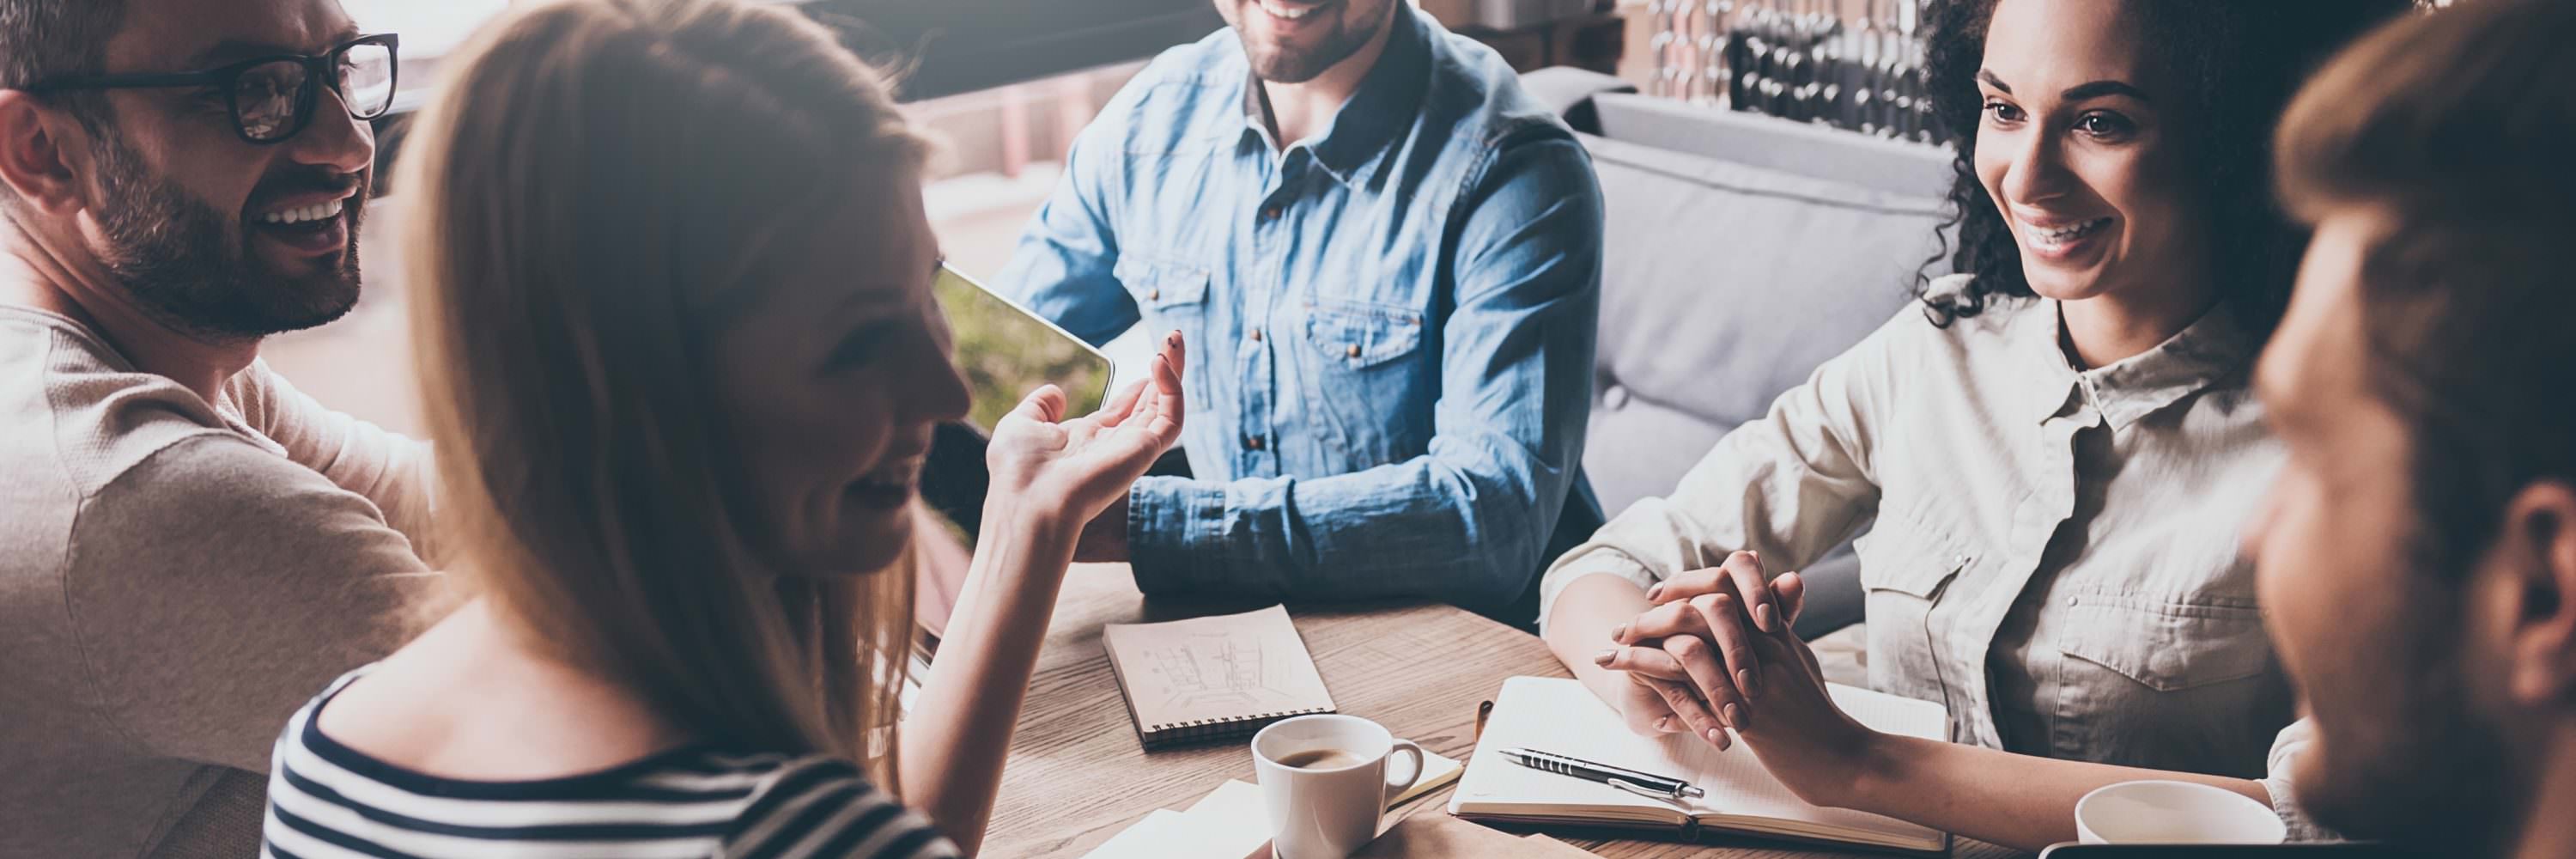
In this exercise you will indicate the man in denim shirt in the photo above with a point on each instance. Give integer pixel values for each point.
(1387, 260)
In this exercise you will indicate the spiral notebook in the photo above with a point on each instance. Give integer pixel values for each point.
(1211, 678)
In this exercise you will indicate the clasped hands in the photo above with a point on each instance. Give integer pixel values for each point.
(1716, 652)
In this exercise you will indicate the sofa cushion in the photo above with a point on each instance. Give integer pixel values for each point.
(1769, 143)
(1724, 285)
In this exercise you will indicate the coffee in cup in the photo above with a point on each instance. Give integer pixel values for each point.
(1321, 759)
(1325, 781)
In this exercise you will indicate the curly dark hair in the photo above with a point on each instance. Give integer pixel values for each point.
(2241, 59)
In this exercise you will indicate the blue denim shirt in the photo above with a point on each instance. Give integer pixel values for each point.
(1390, 324)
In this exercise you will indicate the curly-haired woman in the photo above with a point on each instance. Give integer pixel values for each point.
(2057, 449)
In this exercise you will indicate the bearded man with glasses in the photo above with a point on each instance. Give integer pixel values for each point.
(188, 546)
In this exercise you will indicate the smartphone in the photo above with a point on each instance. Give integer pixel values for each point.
(1005, 351)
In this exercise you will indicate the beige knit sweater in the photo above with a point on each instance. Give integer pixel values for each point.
(176, 578)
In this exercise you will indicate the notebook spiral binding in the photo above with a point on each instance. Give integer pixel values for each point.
(1209, 729)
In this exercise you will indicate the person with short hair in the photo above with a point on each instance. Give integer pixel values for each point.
(1391, 254)
(188, 545)
(2417, 556)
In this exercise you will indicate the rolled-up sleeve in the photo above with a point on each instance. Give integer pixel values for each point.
(1790, 485)
(2280, 765)
(1468, 520)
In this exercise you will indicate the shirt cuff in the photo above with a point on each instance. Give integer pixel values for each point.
(1171, 524)
(1585, 561)
(2286, 748)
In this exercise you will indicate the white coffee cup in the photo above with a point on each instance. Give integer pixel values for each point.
(2174, 812)
(1325, 782)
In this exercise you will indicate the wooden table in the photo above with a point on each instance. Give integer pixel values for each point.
(1077, 776)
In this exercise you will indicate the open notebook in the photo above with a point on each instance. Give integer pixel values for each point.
(1557, 715)
(1216, 677)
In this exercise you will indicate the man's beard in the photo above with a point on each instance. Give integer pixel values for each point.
(2424, 769)
(190, 268)
(1289, 66)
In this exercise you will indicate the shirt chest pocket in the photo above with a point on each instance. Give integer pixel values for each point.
(1352, 335)
(1163, 288)
(1904, 570)
(2164, 645)
(1360, 391)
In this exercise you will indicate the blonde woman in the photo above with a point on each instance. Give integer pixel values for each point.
(681, 365)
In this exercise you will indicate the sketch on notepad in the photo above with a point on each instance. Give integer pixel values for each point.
(1212, 669)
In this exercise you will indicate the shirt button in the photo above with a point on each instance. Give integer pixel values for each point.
(2073, 601)
(1614, 397)
(1256, 335)
(1252, 442)
(1153, 295)
(1354, 350)
(1270, 213)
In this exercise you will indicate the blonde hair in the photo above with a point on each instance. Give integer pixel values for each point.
(598, 188)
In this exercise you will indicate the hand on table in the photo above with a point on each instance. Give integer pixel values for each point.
(1652, 706)
(1802, 736)
(1075, 469)
(1696, 640)
(1793, 725)
(1701, 622)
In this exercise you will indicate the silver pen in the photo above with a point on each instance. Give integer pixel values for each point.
(1639, 783)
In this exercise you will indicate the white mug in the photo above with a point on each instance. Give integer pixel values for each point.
(1325, 782)
(2174, 812)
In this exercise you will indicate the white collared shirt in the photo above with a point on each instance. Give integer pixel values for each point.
(2054, 554)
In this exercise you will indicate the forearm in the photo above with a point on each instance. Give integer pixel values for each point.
(959, 733)
(396, 472)
(1428, 527)
(2020, 801)
(1578, 627)
(390, 470)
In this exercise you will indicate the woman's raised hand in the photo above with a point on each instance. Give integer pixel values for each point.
(1050, 466)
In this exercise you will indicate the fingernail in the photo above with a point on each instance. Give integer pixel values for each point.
(1735, 716)
(1716, 735)
(1770, 619)
(1744, 681)
(1753, 555)
(1664, 724)
(1655, 593)
(1604, 657)
(1619, 633)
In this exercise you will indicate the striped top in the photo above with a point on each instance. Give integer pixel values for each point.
(327, 801)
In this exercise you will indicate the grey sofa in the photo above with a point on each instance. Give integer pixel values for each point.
(1743, 251)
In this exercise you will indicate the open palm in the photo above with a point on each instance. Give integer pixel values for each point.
(1087, 462)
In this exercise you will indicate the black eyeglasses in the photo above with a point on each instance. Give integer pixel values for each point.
(272, 98)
